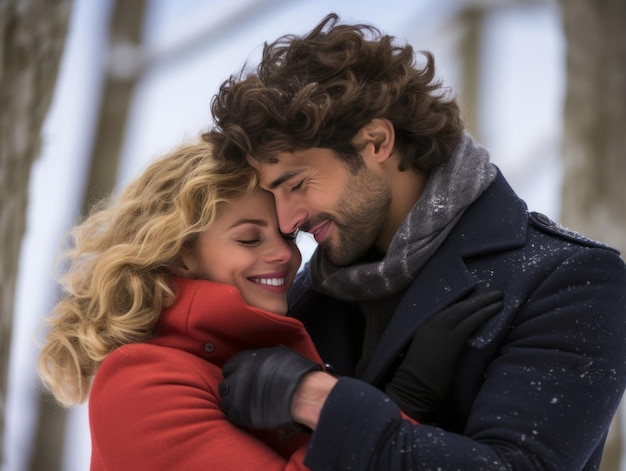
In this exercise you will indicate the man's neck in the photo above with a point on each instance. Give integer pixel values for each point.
(406, 188)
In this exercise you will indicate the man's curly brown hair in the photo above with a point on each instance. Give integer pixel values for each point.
(320, 89)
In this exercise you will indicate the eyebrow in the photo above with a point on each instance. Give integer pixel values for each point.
(282, 179)
(258, 222)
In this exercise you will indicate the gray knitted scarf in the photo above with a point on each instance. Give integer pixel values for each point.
(450, 189)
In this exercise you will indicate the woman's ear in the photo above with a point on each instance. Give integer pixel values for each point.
(378, 138)
(180, 270)
(183, 266)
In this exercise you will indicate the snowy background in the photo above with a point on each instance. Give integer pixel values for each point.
(520, 121)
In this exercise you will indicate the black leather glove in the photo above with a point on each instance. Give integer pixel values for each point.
(259, 384)
(423, 378)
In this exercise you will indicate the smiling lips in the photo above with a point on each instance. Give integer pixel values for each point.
(272, 281)
(321, 232)
(269, 281)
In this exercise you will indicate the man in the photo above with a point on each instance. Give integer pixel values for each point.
(362, 149)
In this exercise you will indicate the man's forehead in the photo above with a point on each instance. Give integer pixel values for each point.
(253, 162)
(273, 174)
(275, 160)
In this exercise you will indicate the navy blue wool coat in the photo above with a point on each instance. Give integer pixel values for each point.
(537, 385)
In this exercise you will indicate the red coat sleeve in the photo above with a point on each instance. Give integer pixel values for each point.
(154, 407)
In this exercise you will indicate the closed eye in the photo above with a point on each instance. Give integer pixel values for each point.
(297, 186)
(249, 242)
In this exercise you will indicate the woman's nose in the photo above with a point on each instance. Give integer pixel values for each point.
(279, 250)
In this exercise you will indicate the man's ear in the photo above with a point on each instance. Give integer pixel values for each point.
(377, 139)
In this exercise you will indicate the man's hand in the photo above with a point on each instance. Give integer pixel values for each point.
(423, 378)
(259, 384)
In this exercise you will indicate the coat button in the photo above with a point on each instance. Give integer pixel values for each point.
(542, 218)
(208, 347)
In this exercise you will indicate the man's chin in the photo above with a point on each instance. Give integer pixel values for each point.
(337, 257)
(343, 256)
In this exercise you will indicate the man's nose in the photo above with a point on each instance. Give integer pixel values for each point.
(291, 214)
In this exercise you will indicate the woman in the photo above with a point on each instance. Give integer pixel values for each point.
(140, 319)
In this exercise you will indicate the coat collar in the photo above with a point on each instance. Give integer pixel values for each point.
(496, 221)
(212, 321)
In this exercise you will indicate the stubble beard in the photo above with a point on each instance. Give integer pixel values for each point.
(361, 211)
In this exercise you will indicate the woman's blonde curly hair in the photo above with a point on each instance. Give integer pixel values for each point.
(115, 277)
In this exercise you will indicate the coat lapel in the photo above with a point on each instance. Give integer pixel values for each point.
(432, 290)
(496, 221)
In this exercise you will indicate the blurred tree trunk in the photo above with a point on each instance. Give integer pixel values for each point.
(594, 195)
(471, 21)
(125, 34)
(125, 62)
(32, 36)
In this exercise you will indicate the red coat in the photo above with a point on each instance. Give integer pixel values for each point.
(156, 405)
